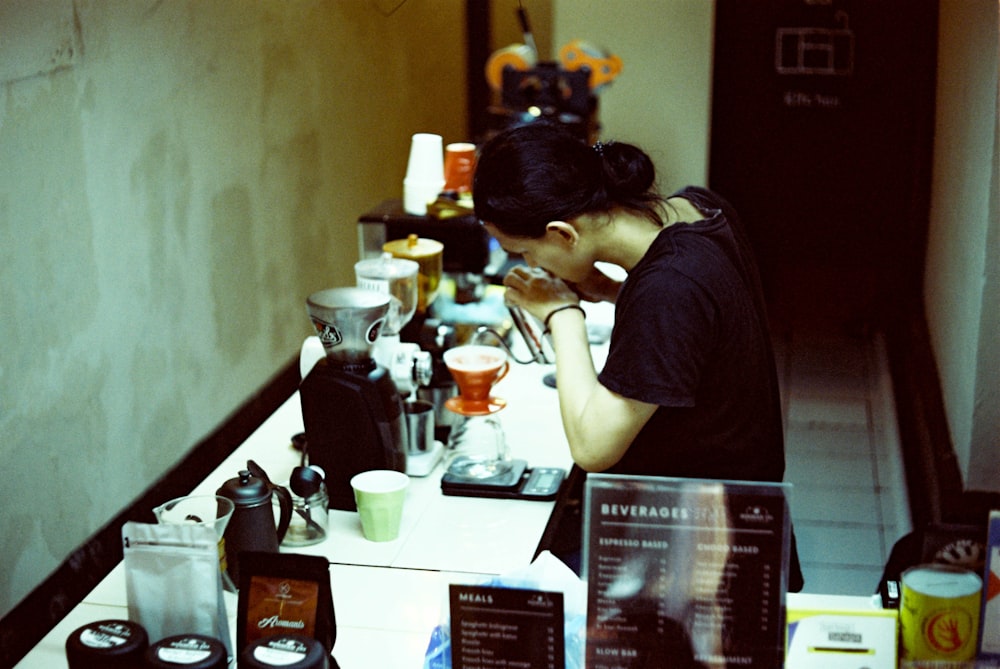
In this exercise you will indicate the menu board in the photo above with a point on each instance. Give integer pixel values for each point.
(685, 569)
(494, 627)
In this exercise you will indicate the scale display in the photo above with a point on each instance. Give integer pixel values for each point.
(686, 569)
(522, 482)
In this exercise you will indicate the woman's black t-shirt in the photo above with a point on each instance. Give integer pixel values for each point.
(691, 335)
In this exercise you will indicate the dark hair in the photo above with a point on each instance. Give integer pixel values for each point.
(532, 174)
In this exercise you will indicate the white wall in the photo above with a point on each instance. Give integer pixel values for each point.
(661, 100)
(168, 198)
(962, 279)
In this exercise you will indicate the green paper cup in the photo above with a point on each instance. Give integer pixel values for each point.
(379, 495)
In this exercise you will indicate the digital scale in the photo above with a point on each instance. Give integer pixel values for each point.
(521, 482)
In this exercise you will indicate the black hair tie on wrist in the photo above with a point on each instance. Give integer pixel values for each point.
(557, 310)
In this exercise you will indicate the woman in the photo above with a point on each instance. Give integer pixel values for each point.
(689, 387)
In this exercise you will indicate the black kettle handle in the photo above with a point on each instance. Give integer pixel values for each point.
(284, 498)
(285, 513)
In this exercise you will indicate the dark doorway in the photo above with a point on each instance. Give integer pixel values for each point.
(822, 131)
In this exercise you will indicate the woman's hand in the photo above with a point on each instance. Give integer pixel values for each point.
(537, 291)
(599, 424)
(598, 287)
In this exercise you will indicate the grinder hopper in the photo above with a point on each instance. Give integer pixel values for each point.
(349, 322)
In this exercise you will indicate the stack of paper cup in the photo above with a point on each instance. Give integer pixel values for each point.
(424, 173)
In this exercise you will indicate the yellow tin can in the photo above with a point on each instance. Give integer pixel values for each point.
(939, 613)
(429, 254)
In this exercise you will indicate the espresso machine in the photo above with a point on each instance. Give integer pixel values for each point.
(352, 409)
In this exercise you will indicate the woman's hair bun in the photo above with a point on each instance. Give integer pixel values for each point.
(628, 171)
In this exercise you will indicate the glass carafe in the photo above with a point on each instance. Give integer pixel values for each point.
(477, 448)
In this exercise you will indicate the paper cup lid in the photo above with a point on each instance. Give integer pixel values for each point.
(936, 580)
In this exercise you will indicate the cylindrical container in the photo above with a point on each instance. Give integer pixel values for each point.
(190, 651)
(379, 495)
(419, 426)
(310, 519)
(459, 166)
(395, 277)
(429, 254)
(437, 394)
(424, 173)
(289, 651)
(939, 613)
(107, 644)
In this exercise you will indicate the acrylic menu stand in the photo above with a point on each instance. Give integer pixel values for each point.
(685, 568)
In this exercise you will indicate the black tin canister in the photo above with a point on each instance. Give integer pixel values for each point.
(107, 644)
(187, 651)
(289, 651)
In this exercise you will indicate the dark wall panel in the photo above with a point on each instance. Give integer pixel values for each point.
(822, 128)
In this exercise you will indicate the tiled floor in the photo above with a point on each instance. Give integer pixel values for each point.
(849, 502)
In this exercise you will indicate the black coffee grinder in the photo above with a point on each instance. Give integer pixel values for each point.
(351, 408)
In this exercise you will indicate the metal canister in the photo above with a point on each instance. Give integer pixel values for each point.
(429, 254)
(939, 613)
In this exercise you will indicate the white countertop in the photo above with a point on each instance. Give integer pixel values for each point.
(388, 597)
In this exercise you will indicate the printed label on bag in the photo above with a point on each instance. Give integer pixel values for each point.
(281, 605)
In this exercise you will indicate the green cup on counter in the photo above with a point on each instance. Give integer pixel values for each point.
(379, 495)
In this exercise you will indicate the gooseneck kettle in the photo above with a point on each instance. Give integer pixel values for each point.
(252, 527)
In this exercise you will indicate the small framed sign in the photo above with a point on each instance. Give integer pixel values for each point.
(689, 570)
(506, 627)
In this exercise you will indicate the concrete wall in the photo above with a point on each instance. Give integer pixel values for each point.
(175, 178)
(962, 279)
(662, 99)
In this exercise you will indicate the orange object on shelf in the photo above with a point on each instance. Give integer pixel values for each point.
(604, 67)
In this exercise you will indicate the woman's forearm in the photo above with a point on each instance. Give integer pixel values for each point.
(600, 425)
(575, 373)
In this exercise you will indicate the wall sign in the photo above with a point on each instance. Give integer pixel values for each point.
(691, 570)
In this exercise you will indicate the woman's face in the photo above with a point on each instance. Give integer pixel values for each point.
(552, 252)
